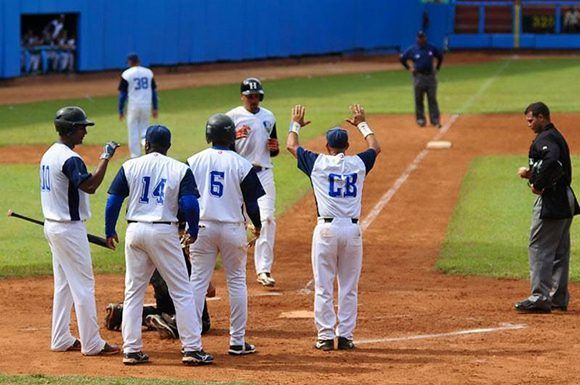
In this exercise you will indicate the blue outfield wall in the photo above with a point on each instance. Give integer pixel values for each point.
(171, 32)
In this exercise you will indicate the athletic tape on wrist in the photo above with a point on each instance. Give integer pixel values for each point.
(364, 129)
(294, 127)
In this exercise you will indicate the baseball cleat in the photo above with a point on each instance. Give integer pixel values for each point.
(527, 306)
(109, 350)
(197, 357)
(265, 279)
(135, 358)
(155, 321)
(75, 347)
(239, 350)
(345, 344)
(325, 345)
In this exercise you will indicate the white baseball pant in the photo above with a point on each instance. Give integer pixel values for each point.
(229, 239)
(149, 246)
(137, 123)
(74, 283)
(336, 252)
(264, 247)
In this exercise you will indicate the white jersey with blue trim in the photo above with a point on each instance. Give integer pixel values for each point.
(61, 172)
(140, 84)
(255, 147)
(219, 174)
(154, 184)
(337, 181)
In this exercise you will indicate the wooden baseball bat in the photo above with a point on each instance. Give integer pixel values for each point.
(100, 241)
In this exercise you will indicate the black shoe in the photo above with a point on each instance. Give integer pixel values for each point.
(135, 358)
(156, 322)
(197, 357)
(325, 345)
(239, 350)
(436, 125)
(345, 344)
(560, 308)
(421, 122)
(527, 306)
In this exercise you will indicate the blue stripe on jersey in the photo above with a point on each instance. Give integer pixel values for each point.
(217, 147)
(112, 210)
(188, 185)
(252, 190)
(306, 160)
(76, 172)
(73, 201)
(120, 186)
(189, 208)
(368, 157)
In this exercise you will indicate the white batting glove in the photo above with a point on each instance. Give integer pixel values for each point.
(109, 150)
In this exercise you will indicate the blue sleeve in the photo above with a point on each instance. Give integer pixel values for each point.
(306, 160)
(154, 99)
(119, 186)
(112, 210)
(368, 157)
(122, 100)
(189, 208)
(405, 56)
(75, 170)
(188, 185)
(252, 190)
(123, 90)
(439, 56)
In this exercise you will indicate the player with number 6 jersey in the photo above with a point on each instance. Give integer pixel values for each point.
(138, 86)
(338, 181)
(227, 182)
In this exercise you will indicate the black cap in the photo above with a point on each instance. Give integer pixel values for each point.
(158, 135)
(132, 56)
(420, 34)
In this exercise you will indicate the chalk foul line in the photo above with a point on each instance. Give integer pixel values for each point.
(500, 328)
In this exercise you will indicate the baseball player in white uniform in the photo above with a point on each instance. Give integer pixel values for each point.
(156, 186)
(256, 141)
(226, 182)
(65, 185)
(138, 86)
(338, 182)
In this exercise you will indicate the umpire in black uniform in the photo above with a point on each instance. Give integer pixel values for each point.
(424, 80)
(550, 175)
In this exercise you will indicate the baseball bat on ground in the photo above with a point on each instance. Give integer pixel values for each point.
(100, 241)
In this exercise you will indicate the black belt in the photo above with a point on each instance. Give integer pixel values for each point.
(425, 72)
(329, 220)
(155, 223)
(258, 168)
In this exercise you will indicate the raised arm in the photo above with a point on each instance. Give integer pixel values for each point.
(296, 123)
(358, 119)
(91, 184)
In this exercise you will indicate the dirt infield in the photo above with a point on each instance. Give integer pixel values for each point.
(401, 296)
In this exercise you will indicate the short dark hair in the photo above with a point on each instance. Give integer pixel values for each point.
(538, 108)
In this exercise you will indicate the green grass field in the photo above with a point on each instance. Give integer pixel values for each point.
(489, 231)
(24, 249)
(478, 241)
